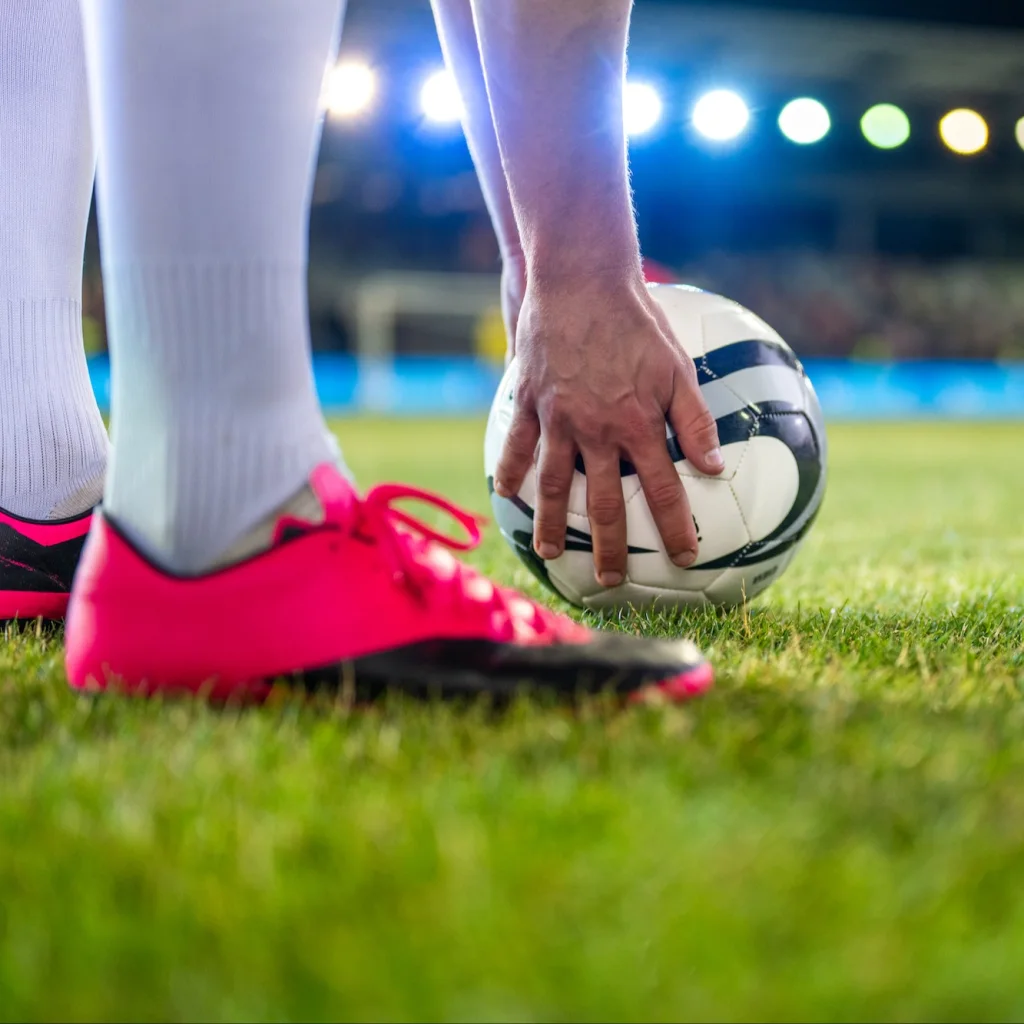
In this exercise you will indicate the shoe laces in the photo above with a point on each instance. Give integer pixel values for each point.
(421, 562)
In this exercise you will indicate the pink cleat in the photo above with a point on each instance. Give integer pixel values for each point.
(365, 601)
(37, 563)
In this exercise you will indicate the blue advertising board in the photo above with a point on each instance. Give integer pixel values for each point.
(848, 390)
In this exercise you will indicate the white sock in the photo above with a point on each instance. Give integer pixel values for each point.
(53, 446)
(208, 124)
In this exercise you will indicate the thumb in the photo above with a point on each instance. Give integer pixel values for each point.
(694, 425)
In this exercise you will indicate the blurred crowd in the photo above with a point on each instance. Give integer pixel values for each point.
(877, 308)
(868, 308)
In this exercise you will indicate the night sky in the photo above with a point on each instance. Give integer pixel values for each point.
(992, 13)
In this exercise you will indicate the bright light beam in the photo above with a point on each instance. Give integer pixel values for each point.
(350, 89)
(885, 126)
(440, 100)
(721, 115)
(642, 107)
(964, 131)
(804, 121)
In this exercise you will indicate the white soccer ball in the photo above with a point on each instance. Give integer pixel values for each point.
(751, 520)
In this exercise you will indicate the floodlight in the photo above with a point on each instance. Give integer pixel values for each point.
(350, 89)
(885, 126)
(964, 131)
(804, 121)
(439, 98)
(641, 106)
(721, 115)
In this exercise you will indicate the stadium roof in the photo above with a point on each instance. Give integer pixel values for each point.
(992, 13)
(912, 60)
(870, 45)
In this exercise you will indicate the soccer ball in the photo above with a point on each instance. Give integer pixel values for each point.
(750, 520)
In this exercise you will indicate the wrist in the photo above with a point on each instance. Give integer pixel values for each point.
(567, 270)
(587, 246)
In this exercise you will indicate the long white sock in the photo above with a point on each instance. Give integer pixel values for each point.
(53, 447)
(207, 119)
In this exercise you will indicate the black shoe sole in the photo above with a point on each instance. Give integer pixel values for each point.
(609, 663)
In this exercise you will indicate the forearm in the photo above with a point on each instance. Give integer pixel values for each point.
(554, 72)
(457, 32)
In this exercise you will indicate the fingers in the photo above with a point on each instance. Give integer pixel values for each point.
(517, 455)
(667, 501)
(694, 424)
(554, 479)
(607, 511)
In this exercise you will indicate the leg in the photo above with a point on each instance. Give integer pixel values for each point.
(53, 446)
(208, 126)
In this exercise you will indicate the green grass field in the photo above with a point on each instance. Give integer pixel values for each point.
(836, 833)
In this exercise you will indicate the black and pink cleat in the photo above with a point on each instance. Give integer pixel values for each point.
(38, 558)
(367, 600)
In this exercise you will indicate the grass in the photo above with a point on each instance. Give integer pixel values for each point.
(836, 833)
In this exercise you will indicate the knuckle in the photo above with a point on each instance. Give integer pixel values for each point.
(644, 426)
(550, 485)
(516, 450)
(687, 370)
(586, 430)
(689, 373)
(701, 426)
(520, 441)
(522, 392)
(558, 421)
(604, 509)
(555, 414)
(665, 493)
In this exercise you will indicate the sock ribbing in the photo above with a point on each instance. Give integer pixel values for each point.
(218, 422)
(205, 173)
(53, 446)
(52, 442)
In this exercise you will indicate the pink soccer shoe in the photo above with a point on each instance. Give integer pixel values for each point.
(365, 601)
(37, 562)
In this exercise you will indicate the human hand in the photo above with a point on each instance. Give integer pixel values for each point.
(600, 372)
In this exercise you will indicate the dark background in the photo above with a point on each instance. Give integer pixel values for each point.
(846, 249)
(1007, 14)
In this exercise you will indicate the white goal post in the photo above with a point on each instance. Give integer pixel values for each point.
(379, 299)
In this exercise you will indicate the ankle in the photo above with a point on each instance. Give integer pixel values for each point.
(46, 476)
(82, 495)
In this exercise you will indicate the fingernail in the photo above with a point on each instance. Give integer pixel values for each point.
(714, 458)
(501, 490)
(547, 550)
(609, 579)
(684, 558)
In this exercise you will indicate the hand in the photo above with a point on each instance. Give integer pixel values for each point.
(599, 373)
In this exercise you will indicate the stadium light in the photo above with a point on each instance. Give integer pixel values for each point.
(1018, 133)
(721, 115)
(804, 121)
(439, 98)
(964, 131)
(885, 126)
(350, 89)
(641, 106)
